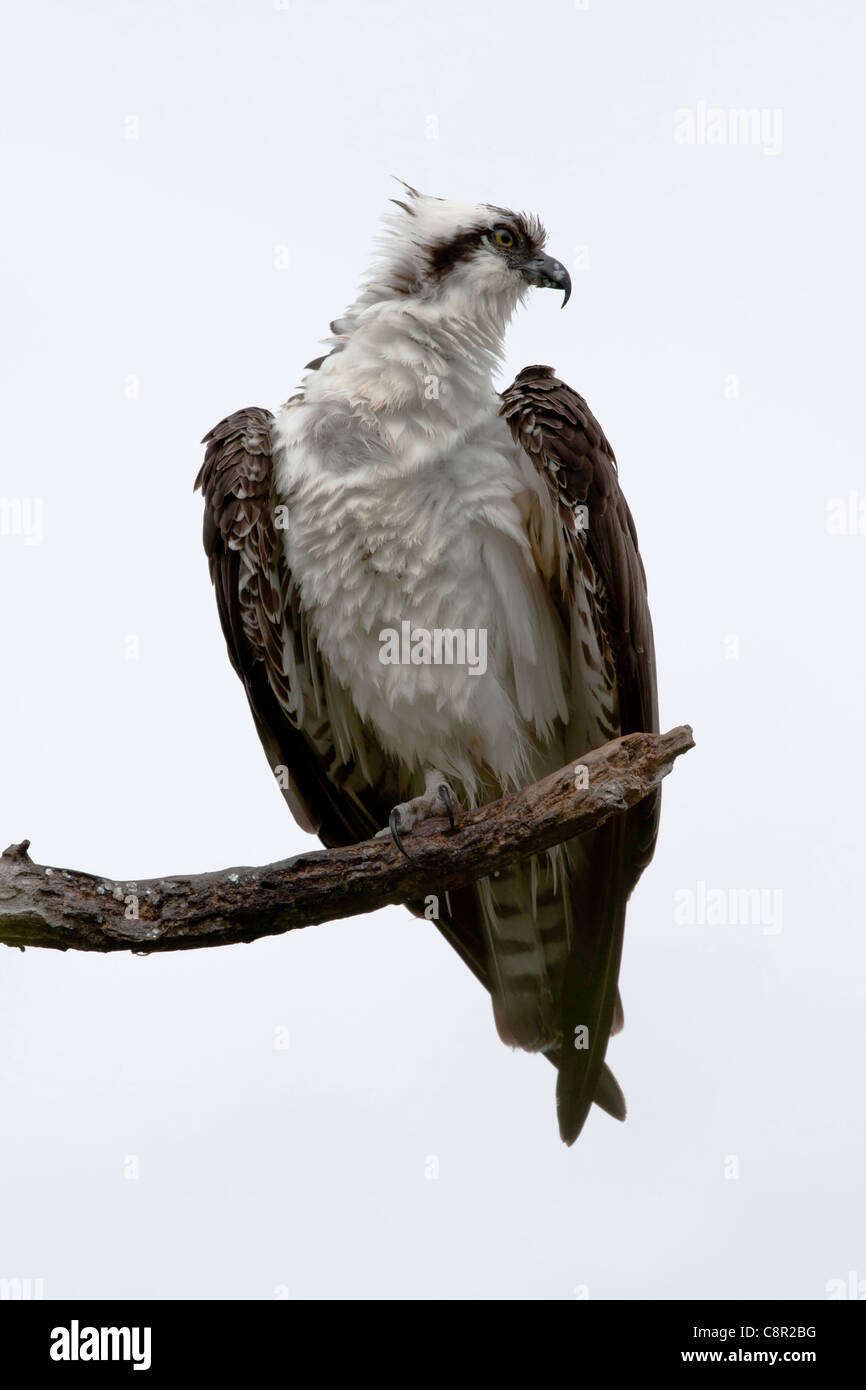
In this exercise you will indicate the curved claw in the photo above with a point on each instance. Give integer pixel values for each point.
(394, 827)
(448, 801)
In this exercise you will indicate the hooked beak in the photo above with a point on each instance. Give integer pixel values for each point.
(547, 273)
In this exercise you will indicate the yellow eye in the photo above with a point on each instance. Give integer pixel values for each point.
(503, 237)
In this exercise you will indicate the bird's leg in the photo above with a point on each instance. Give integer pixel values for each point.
(438, 799)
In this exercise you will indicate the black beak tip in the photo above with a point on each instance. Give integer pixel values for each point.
(564, 281)
(545, 271)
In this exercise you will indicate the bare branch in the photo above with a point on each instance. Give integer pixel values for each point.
(68, 910)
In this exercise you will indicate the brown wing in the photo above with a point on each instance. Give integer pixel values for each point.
(559, 433)
(266, 636)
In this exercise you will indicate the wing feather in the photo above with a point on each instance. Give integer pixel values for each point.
(600, 588)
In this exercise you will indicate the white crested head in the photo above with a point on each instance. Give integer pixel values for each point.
(477, 257)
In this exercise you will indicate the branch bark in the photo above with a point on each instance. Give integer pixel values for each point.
(65, 909)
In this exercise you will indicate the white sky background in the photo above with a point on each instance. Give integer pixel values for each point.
(154, 259)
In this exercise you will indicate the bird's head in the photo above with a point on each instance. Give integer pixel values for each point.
(476, 254)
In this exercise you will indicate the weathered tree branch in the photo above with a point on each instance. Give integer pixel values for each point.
(68, 910)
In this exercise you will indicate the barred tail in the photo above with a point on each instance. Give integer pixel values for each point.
(526, 916)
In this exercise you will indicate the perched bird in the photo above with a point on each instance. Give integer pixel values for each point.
(398, 496)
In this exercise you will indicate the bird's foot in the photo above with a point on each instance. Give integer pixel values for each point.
(437, 800)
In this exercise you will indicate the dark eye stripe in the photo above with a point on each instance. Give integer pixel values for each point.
(446, 254)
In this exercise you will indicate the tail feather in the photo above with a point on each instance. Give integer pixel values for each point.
(460, 924)
(526, 920)
(553, 935)
(591, 1009)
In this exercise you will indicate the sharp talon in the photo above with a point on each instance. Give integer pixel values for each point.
(393, 824)
(448, 801)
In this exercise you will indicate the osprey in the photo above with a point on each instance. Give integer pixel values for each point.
(398, 493)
